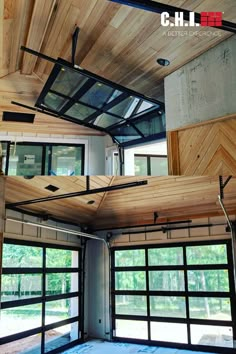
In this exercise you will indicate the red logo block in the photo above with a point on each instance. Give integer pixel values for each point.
(211, 19)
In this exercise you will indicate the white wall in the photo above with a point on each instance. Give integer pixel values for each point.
(204, 88)
(155, 148)
(94, 147)
(33, 233)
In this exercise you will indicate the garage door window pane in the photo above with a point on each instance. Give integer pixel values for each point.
(210, 308)
(169, 332)
(219, 336)
(21, 286)
(130, 258)
(61, 283)
(20, 319)
(130, 280)
(165, 256)
(57, 337)
(208, 254)
(28, 345)
(21, 256)
(61, 309)
(131, 305)
(131, 329)
(167, 306)
(58, 258)
(169, 280)
(208, 280)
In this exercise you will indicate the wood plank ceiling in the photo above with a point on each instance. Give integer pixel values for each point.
(173, 198)
(118, 42)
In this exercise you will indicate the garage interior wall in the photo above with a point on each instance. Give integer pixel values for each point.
(32, 233)
(203, 89)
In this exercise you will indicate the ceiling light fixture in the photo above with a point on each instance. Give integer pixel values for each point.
(91, 202)
(163, 62)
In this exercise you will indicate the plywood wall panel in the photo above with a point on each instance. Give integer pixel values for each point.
(204, 149)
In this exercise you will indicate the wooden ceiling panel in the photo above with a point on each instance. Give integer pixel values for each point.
(25, 89)
(41, 16)
(118, 42)
(73, 209)
(173, 198)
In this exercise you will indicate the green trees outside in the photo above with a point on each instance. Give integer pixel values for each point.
(199, 280)
(18, 286)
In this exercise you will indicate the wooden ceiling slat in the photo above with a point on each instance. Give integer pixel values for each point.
(172, 197)
(25, 89)
(41, 16)
(20, 25)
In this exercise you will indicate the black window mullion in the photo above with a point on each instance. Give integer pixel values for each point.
(82, 90)
(106, 107)
(186, 294)
(149, 172)
(147, 296)
(43, 301)
(62, 270)
(13, 270)
(43, 162)
(7, 157)
(232, 286)
(113, 309)
(81, 287)
(50, 150)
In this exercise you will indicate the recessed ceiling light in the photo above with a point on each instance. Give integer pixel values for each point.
(91, 202)
(163, 62)
(28, 177)
(52, 188)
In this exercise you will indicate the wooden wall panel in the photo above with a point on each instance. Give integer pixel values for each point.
(204, 149)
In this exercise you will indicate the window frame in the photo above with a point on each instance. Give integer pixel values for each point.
(186, 293)
(45, 298)
(148, 157)
(44, 146)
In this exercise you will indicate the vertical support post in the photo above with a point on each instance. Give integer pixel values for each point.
(121, 159)
(74, 44)
(2, 212)
(233, 234)
(232, 226)
(87, 183)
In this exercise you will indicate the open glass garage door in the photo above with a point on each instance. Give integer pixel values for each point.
(40, 297)
(77, 95)
(178, 294)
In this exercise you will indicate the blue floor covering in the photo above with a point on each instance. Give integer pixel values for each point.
(103, 347)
